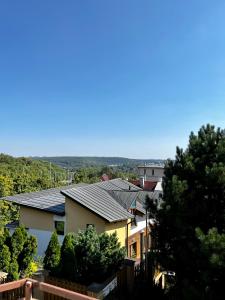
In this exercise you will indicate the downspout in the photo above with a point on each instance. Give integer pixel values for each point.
(146, 242)
(127, 236)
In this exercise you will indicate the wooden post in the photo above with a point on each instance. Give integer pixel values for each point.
(28, 290)
(129, 264)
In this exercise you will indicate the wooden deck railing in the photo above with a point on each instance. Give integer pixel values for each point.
(30, 284)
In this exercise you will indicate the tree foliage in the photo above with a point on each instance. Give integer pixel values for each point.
(8, 213)
(5, 258)
(6, 186)
(52, 254)
(93, 174)
(87, 256)
(17, 252)
(27, 254)
(20, 175)
(194, 197)
(68, 263)
(18, 240)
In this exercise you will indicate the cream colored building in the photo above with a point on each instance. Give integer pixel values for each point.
(151, 172)
(74, 208)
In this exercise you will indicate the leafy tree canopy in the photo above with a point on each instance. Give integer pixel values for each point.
(20, 175)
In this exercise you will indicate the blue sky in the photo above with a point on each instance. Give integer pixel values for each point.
(109, 78)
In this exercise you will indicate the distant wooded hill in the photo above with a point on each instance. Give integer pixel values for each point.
(77, 162)
(20, 175)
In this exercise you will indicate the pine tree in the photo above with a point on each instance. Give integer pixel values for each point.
(18, 239)
(52, 254)
(68, 264)
(27, 254)
(14, 270)
(194, 197)
(5, 258)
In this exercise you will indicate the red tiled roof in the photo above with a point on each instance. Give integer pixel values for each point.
(148, 185)
(135, 182)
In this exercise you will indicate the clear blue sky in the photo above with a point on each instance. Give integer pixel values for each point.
(109, 78)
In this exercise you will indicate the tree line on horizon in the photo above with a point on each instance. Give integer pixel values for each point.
(23, 175)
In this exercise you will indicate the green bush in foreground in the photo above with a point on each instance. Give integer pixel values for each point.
(85, 257)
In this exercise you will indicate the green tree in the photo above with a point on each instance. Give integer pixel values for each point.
(26, 257)
(212, 247)
(18, 240)
(87, 253)
(17, 252)
(5, 258)
(6, 186)
(194, 197)
(14, 270)
(88, 256)
(68, 263)
(8, 213)
(112, 254)
(52, 254)
(19, 175)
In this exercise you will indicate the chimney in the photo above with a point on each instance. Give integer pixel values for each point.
(142, 182)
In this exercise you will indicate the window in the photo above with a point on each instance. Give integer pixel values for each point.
(59, 227)
(133, 250)
(153, 172)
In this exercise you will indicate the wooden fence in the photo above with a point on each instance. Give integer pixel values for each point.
(10, 290)
(66, 284)
(55, 288)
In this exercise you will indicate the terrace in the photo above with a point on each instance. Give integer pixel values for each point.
(27, 288)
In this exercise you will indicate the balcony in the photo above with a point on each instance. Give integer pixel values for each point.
(27, 288)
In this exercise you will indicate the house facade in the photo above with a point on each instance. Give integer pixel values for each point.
(109, 206)
(74, 208)
(150, 172)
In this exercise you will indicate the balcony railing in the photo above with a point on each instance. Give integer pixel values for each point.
(29, 285)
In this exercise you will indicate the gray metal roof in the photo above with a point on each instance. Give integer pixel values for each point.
(49, 200)
(118, 185)
(134, 199)
(109, 199)
(96, 197)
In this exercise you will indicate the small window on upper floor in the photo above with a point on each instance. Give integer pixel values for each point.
(153, 172)
(59, 227)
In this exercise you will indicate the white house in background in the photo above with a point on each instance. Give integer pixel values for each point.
(151, 172)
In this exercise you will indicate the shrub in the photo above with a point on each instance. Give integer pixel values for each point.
(18, 239)
(13, 270)
(27, 254)
(68, 264)
(5, 258)
(17, 252)
(87, 256)
(52, 255)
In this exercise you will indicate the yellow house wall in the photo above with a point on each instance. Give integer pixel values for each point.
(77, 217)
(34, 218)
(121, 230)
